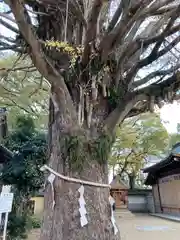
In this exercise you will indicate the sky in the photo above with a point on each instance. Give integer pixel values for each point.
(170, 115)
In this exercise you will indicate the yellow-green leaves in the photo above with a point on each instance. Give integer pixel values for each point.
(22, 89)
(137, 138)
(72, 51)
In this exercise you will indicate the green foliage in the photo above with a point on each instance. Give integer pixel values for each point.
(113, 97)
(18, 227)
(79, 146)
(23, 172)
(35, 222)
(102, 147)
(23, 91)
(137, 138)
(75, 146)
(173, 139)
(31, 146)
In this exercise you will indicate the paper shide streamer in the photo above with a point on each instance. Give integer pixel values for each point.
(51, 179)
(112, 201)
(82, 209)
(82, 203)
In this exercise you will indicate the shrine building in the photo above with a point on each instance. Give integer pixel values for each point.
(164, 177)
(119, 191)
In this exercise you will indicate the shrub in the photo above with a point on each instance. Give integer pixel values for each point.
(36, 222)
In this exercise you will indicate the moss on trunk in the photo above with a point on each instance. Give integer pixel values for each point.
(86, 158)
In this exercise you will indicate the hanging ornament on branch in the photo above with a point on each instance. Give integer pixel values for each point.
(82, 209)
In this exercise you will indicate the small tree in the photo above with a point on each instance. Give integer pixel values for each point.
(137, 138)
(23, 172)
(93, 55)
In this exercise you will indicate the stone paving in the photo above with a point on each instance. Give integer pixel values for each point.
(167, 216)
(148, 228)
(139, 226)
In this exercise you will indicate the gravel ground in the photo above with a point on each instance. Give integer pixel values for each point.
(136, 227)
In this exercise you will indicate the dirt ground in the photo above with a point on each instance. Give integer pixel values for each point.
(34, 235)
(136, 227)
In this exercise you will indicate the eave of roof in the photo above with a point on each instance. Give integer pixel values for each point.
(159, 165)
(172, 161)
(175, 152)
(118, 183)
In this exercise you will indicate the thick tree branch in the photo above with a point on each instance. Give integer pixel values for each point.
(28, 34)
(157, 89)
(153, 56)
(126, 24)
(40, 61)
(157, 5)
(142, 96)
(9, 26)
(25, 68)
(8, 39)
(6, 16)
(139, 12)
(161, 36)
(125, 163)
(116, 17)
(164, 10)
(159, 92)
(90, 34)
(5, 46)
(134, 47)
(152, 75)
(122, 110)
(138, 110)
(79, 12)
(175, 15)
(122, 27)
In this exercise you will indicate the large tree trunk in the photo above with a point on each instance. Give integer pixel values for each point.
(63, 223)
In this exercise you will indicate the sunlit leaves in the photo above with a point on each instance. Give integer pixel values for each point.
(23, 90)
(137, 138)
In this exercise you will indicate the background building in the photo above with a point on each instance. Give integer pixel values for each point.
(164, 177)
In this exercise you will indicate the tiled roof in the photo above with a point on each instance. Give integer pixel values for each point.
(118, 183)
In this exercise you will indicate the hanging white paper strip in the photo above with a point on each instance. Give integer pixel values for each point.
(51, 179)
(82, 209)
(6, 189)
(112, 201)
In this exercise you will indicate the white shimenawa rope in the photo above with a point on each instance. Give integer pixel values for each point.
(82, 203)
(75, 180)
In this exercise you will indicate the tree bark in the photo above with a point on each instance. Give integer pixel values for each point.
(132, 181)
(63, 223)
